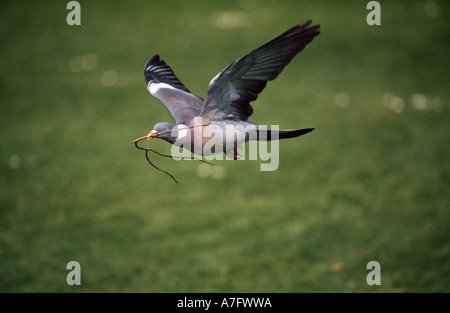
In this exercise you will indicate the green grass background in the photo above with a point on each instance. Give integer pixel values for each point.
(370, 183)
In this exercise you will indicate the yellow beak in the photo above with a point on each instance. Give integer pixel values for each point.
(152, 134)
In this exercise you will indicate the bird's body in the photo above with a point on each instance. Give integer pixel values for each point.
(219, 123)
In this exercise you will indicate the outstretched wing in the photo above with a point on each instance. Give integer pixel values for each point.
(231, 91)
(165, 86)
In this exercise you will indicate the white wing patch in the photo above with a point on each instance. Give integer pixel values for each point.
(181, 131)
(153, 87)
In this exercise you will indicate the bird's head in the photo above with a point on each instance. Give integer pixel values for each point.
(162, 130)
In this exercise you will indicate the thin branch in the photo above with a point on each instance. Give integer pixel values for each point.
(146, 156)
(166, 155)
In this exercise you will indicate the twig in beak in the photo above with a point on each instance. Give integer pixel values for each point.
(161, 154)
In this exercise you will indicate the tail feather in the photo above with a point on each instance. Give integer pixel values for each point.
(269, 134)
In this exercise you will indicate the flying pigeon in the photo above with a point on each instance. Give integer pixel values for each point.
(227, 103)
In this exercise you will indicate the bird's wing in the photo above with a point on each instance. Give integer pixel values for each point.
(231, 91)
(165, 86)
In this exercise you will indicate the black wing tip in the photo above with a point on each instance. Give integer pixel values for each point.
(157, 70)
(154, 60)
(307, 23)
(303, 30)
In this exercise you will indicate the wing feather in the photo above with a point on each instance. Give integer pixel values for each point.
(163, 84)
(232, 90)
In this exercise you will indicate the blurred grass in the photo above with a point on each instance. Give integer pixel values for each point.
(370, 183)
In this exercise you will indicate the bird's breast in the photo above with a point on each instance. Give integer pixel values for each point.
(209, 139)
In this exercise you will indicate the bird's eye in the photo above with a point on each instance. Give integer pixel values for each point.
(164, 128)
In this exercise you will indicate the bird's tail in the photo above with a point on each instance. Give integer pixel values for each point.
(270, 134)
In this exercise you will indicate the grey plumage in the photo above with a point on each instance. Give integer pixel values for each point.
(231, 91)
